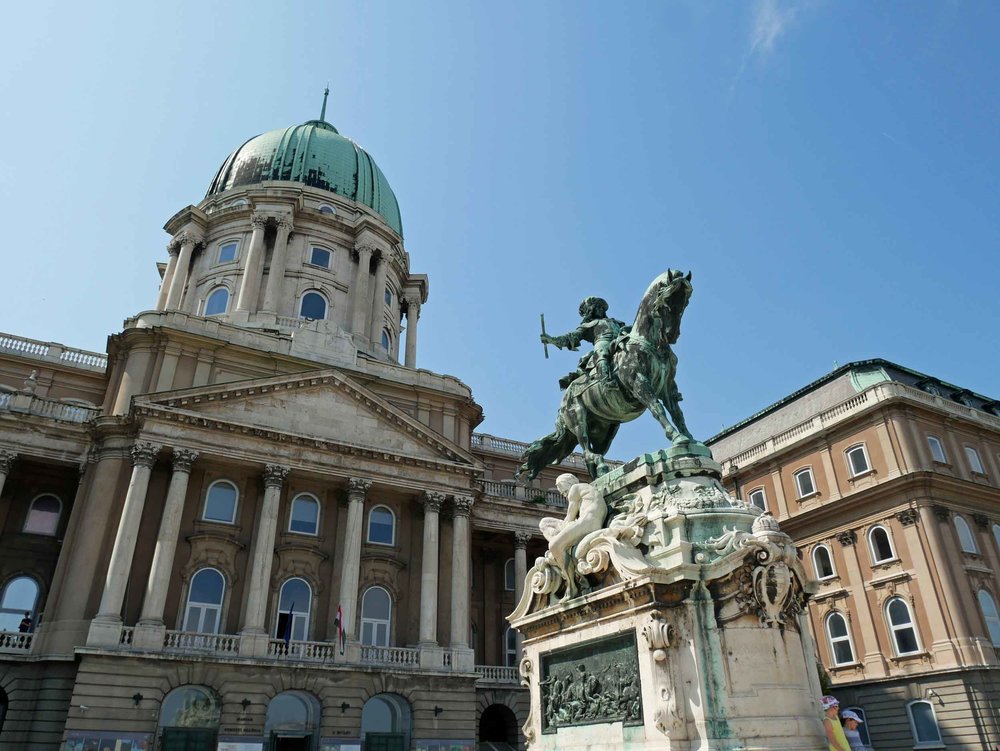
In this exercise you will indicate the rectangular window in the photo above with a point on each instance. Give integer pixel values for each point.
(804, 482)
(757, 499)
(227, 252)
(319, 257)
(857, 459)
(937, 450)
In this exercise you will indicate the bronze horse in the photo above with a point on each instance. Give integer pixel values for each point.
(592, 408)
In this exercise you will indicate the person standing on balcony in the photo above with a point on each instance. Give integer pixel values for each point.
(25, 625)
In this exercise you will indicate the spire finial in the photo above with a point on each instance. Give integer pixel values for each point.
(326, 93)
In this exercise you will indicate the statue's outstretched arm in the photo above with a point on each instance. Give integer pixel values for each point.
(570, 341)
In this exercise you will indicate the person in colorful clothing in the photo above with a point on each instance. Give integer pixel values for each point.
(851, 732)
(831, 724)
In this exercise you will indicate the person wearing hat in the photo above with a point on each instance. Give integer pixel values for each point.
(831, 724)
(851, 732)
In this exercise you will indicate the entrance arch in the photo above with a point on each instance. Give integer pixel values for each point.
(498, 726)
(292, 722)
(386, 720)
(189, 719)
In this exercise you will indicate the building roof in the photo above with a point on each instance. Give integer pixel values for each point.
(313, 154)
(865, 373)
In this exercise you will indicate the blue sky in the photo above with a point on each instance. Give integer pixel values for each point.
(827, 170)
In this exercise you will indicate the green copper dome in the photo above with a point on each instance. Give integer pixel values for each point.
(313, 154)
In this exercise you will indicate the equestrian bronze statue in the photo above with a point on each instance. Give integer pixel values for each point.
(630, 370)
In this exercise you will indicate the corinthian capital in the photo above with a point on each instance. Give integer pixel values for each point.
(187, 238)
(412, 305)
(258, 220)
(462, 505)
(183, 459)
(365, 250)
(357, 488)
(432, 501)
(173, 247)
(285, 223)
(7, 461)
(274, 475)
(144, 453)
(521, 540)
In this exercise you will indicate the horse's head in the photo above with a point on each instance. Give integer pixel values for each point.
(663, 306)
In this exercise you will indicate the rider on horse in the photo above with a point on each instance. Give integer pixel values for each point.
(595, 328)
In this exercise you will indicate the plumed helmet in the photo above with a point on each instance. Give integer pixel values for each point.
(598, 304)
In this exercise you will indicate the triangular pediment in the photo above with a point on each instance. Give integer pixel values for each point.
(322, 406)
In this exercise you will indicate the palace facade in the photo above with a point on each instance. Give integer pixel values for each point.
(254, 520)
(888, 480)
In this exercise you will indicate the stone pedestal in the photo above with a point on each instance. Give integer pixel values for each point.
(689, 630)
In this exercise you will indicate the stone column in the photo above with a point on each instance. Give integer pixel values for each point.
(133, 378)
(105, 630)
(521, 540)
(276, 275)
(250, 284)
(178, 280)
(429, 570)
(362, 303)
(351, 565)
(412, 316)
(953, 578)
(377, 320)
(462, 507)
(168, 276)
(149, 631)
(6, 462)
(263, 552)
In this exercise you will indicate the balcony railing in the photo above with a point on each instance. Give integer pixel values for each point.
(401, 656)
(308, 651)
(29, 404)
(52, 352)
(188, 642)
(498, 674)
(15, 642)
(521, 493)
(507, 446)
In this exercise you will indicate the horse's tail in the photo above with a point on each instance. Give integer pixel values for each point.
(551, 449)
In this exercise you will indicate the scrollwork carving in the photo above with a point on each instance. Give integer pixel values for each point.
(183, 459)
(908, 517)
(659, 634)
(462, 505)
(144, 453)
(7, 461)
(274, 475)
(357, 488)
(432, 501)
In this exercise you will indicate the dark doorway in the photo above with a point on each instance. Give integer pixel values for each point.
(498, 725)
(291, 743)
(385, 742)
(187, 739)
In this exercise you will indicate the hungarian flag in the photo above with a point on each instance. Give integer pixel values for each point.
(339, 622)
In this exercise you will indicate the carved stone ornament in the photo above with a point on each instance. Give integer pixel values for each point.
(285, 223)
(908, 517)
(432, 501)
(274, 475)
(187, 238)
(982, 521)
(183, 459)
(462, 505)
(258, 221)
(357, 488)
(173, 248)
(365, 251)
(941, 512)
(144, 453)
(7, 461)
(847, 538)
(521, 540)
(659, 634)
(412, 306)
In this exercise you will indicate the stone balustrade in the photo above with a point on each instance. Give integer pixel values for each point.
(29, 404)
(500, 674)
(187, 642)
(14, 642)
(307, 651)
(399, 656)
(53, 352)
(521, 493)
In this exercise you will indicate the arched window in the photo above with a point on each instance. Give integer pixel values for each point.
(840, 639)
(326, 208)
(965, 537)
(305, 515)
(990, 614)
(320, 257)
(227, 252)
(204, 603)
(189, 707)
(220, 502)
(904, 633)
(975, 463)
(385, 340)
(923, 724)
(758, 499)
(510, 647)
(294, 604)
(20, 596)
(857, 460)
(880, 544)
(823, 562)
(313, 306)
(509, 576)
(937, 449)
(217, 302)
(376, 615)
(863, 727)
(381, 526)
(804, 483)
(386, 722)
(43, 516)
(294, 713)
(388, 296)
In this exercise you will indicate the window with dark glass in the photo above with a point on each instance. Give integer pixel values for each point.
(217, 302)
(804, 482)
(319, 257)
(757, 499)
(823, 562)
(509, 575)
(376, 617)
(203, 614)
(840, 639)
(381, 526)
(20, 596)
(43, 516)
(937, 450)
(313, 306)
(294, 604)
(904, 634)
(975, 463)
(965, 537)
(227, 252)
(305, 515)
(388, 296)
(881, 545)
(991, 615)
(857, 460)
(923, 724)
(220, 502)
(385, 340)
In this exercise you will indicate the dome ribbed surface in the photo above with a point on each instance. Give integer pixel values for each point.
(313, 154)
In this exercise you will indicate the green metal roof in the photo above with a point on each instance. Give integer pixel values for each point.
(313, 154)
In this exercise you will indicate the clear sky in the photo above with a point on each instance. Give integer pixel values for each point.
(827, 170)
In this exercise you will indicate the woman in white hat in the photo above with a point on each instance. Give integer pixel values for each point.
(831, 724)
(851, 732)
